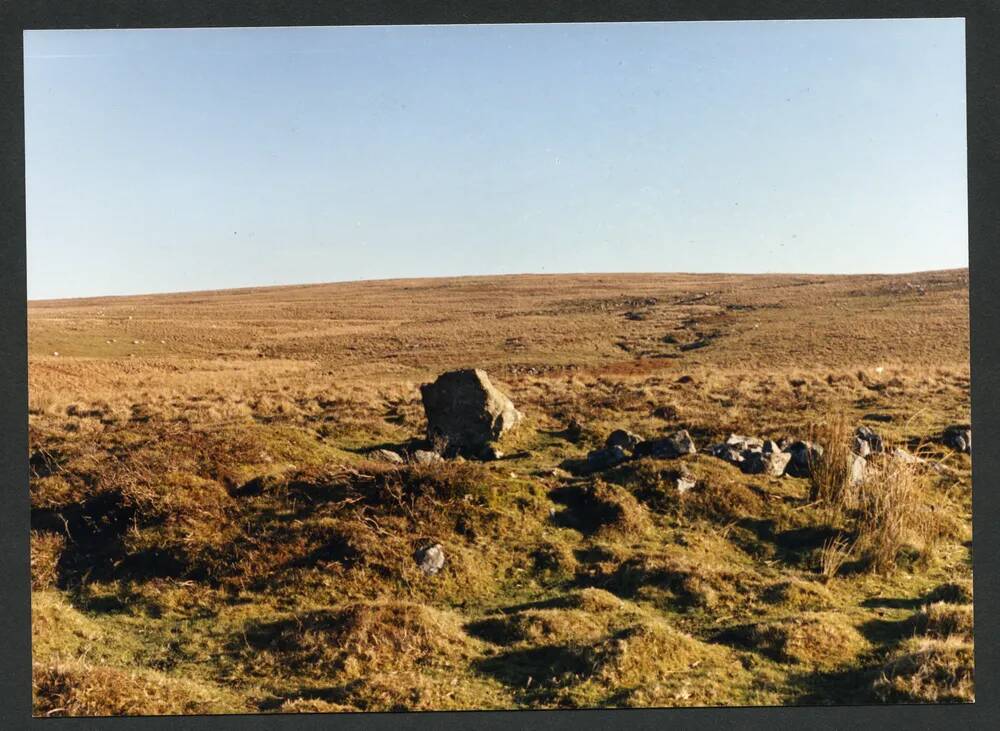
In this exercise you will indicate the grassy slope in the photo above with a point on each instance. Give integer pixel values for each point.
(229, 547)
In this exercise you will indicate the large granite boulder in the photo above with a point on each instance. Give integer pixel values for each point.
(466, 412)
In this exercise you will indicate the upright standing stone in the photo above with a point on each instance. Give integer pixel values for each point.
(466, 411)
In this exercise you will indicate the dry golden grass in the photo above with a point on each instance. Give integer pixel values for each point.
(210, 535)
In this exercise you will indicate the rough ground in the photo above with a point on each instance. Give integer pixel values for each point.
(209, 536)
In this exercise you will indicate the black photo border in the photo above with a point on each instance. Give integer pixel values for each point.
(982, 30)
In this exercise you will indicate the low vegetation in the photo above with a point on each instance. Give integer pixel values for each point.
(213, 530)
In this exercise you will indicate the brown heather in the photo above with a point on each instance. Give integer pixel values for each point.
(210, 536)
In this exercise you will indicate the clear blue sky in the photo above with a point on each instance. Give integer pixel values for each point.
(172, 160)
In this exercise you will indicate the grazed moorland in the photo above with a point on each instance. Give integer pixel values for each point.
(210, 534)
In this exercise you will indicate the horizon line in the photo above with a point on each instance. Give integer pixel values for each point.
(382, 280)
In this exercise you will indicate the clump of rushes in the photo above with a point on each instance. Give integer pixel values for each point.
(830, 472)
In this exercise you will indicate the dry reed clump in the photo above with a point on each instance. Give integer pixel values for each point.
(78, 688)
(941, 619)
(892, 513)
(835, 552)
(363, 637)
(798, 594)
(46, 549)
(820, 639)
(929, 670)
(830, 472)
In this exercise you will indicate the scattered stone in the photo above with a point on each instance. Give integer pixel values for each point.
(740, 442)
(903, 456)
(684, 481)
(602, 459)
(959, 438)
(386, 455)
(670, 447)
(804, 454)
(56, 353)
(857, 471)
(770, 446)
(685, 379)
(466, 410)
(430, 559)
(624, 439)
(726, 452)
(559, 473)
(423, 456)
(867, 441)
(769, 463)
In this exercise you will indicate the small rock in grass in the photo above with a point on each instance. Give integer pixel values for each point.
(959, 438)
(804, 454)
(769, 463)
(602, 459)
(726, 452)
(867, 441)
(423, 456)
(430, 559)
(386, 455)
(622, 438)
(676, 445)
(903, 456)
(857, 471)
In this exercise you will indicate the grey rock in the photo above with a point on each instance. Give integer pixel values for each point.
(770, 446)
(726, 452)
(741, 442)
(857, 469)
(466, 411)
(676, 445)
(865, 435)
(624, 439)
(430, 559)
(769, 463)
(903, 456)
(423, 456)
(386, 455)
(606, 457)
(804, 454)
(959, 438)
(684, 481)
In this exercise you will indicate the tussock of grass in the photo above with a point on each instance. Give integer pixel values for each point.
(363, 637)
(77, 688)
(541, 626)
(690, 584)
(929, 670)
(798, 594)
(653, 663)
(46, 548)
(820, 639)
(954, 592)
(941, 619)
